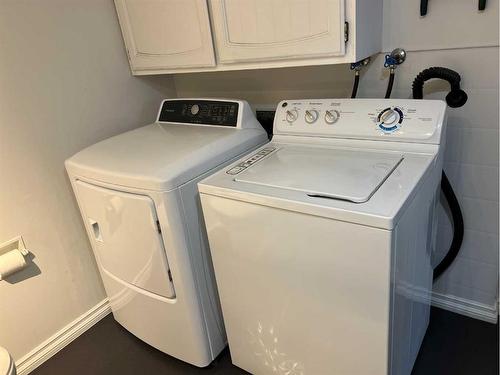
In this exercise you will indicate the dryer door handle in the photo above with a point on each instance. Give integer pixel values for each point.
(96, 230)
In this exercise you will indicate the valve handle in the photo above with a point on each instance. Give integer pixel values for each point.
(389, 61)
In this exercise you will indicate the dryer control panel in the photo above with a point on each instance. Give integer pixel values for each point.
(403, 120)
(200, 111)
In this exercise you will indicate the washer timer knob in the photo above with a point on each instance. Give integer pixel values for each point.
(311, 116)
(291, 115)
(332, 116)
(390, 119)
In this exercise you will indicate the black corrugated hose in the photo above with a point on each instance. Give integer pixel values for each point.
(458, 227)
(455, 98)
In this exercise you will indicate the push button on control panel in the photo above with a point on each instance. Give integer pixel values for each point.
(252, 160)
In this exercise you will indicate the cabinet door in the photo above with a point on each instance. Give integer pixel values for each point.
(166, 34)
(256, 30)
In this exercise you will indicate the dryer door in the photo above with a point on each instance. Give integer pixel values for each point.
(125, 232)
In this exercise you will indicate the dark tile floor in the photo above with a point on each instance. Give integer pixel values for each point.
(454, 345)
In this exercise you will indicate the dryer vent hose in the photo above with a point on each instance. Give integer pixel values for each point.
(455, 98)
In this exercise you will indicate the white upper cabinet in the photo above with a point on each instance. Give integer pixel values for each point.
(175, 36)
(166, 34)
(263, 30)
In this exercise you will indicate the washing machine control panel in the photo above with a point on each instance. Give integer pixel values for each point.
(199, 111)
(382, 119)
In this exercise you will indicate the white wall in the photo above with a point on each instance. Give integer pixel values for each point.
(471, 284)
(64, 84)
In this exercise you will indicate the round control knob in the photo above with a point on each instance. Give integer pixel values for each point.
(195, 109)
(390, 119)
(332, 116)
(311, 116)
(291, 115)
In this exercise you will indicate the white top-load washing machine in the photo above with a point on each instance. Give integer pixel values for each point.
(321, 239)
(140, 205)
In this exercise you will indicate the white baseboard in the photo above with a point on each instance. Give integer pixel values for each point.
(466, 307)
(62, 338)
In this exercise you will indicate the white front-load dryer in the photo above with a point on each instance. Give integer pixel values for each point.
(321, 239)
(138, 197)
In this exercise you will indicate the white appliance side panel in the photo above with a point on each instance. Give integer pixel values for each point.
(264, 30)
(166, 34)
(414, 237)
(300, 293)
(201, 260)
(200, 257)
(123, 228)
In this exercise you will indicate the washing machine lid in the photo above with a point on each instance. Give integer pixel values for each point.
(162, 156)
(252, 180)
(5, 362)
(319, 172)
